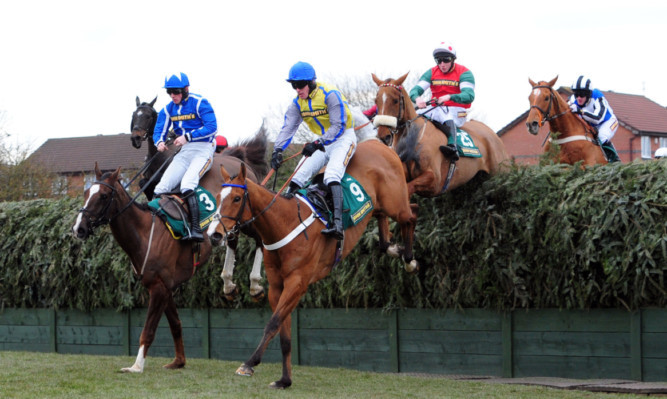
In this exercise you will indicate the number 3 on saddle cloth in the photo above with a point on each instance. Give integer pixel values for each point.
(356, 203)
(172, 210)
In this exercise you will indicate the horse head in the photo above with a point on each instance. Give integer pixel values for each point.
(544, 104)
(143, 122)
(98, 203)
(392, 104)
(232, 200)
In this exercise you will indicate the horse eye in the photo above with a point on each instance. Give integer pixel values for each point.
(237, 198)
(395, 101)
(104, 196)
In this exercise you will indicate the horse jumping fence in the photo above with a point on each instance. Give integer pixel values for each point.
(602, 343)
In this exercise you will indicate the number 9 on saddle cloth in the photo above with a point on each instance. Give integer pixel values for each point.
(356, 203)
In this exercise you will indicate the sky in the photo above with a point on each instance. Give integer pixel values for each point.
(74, 68)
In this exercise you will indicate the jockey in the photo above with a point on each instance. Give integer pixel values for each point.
(325, 111)
(453, 86)
(591, 105)
(220, 143)
(193, 121)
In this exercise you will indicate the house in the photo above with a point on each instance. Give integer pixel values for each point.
(73, 159)
(642, 129)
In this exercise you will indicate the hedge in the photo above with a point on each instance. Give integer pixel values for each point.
(535, 237)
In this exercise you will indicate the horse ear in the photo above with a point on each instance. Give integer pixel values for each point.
(400, 80)
(115, 174)
(138, 101)
(152, 102)
(242, 171)
(376, 79)
(225, 175)
(531, 82)
(98, 172)
(552, 82)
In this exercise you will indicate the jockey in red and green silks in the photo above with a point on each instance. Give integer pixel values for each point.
(453, 90)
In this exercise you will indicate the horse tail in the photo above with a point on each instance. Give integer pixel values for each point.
(252, 152)
(408, 150)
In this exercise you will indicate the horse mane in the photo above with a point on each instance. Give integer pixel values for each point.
(252, 151)
(407, 149)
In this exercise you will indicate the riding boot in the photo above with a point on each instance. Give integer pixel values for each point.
(336, 229)
(610, 152)
(195, 229)
(293, 188)
(450, 151)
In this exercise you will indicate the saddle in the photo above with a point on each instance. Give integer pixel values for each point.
(464, 141)
(173, 211)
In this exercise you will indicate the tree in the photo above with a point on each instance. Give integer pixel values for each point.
(20, 178)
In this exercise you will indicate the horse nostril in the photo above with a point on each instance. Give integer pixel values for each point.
(216, 238)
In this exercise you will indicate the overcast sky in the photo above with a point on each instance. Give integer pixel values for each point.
(73, 68)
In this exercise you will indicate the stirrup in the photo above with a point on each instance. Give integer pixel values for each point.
(450, 152)
(334, 233)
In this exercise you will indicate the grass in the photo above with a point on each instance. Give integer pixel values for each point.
(34, 375)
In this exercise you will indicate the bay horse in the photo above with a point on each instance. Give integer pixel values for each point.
(252, 152)
(577, 140)
(157, 259)
(417, 141)
(296, 254)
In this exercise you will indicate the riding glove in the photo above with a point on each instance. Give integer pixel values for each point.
(310, 148)
(276, 158)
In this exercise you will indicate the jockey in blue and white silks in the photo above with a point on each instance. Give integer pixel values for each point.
(595, 110)
(193, 121)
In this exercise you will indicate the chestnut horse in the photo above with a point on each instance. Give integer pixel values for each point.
(252, 152)
(577, 140)
(161, 263)
(417, 142)
(298, 254)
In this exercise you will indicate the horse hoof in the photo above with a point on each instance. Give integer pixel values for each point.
(394, 250)
(280, 384)
(245, 371)
(412, 267)
(230, 296)
(174, 365)
(258, 296)
(132, 369)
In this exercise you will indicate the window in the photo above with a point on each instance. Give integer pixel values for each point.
(59, 185)
(646, 147)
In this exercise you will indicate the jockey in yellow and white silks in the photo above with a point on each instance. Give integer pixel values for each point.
(325, 111)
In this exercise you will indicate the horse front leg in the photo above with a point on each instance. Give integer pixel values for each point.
(256, 289)
(286, 350)
(156, 305)
(384, 234)
(408, 224)
(177, 334)
(229, 288)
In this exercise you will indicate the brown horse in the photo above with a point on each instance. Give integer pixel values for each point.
(161, 263)
(417, 142)
(298, 254)
(575, 137)
(252, 152)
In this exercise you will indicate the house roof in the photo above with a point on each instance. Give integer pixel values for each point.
(636, 112)
(78, 154)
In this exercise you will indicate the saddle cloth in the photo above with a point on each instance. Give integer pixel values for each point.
(172, 210)
(356, 203)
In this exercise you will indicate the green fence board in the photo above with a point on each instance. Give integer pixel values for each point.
(447, 342)
(466, 320)
(575, 343)
(654, 369)
(582, 367)
(451, 364)
(101, 317)
(90, 335)
(22, 334)
(654, 345)
(239, 318)
(344, 340)
(654, 320)
(607, 320)
(343, 318)
(26, 317)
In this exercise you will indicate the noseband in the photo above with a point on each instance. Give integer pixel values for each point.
(401, 105)
(546, 117)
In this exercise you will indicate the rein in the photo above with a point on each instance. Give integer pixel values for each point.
(545, 114)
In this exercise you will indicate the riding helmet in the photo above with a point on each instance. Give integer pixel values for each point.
(582, 85)
(444, 49)
(301, 71)
(176, 81)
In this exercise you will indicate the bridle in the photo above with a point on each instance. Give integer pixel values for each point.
(103, 217)
(400, 123)
(152, 119)
(546, 117)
